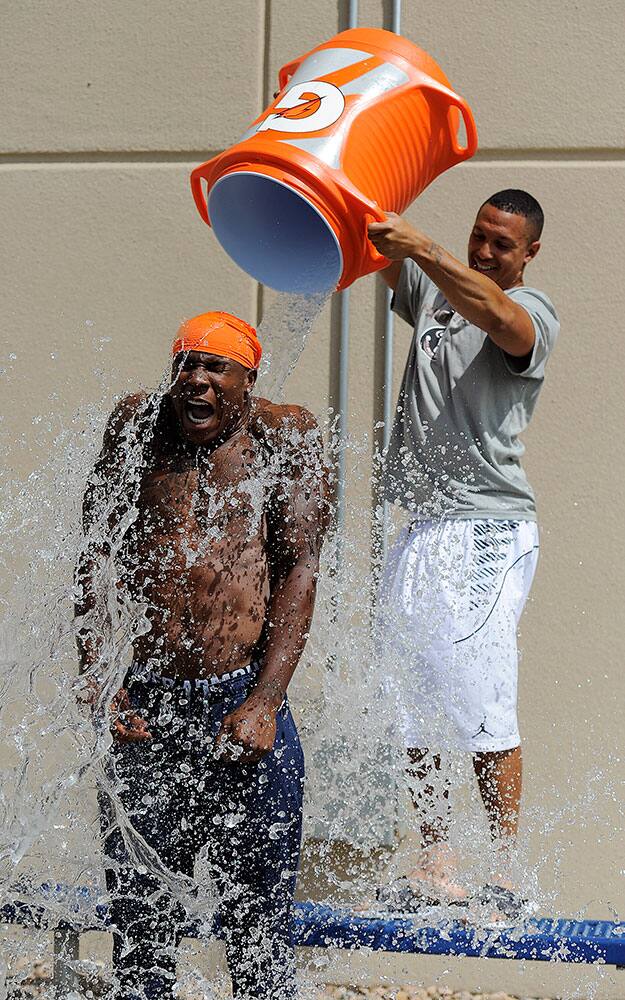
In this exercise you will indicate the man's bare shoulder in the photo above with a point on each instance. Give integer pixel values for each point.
(292, 436)
(111, 458)
(123, 414)
(268, 416)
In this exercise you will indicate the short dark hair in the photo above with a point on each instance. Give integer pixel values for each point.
(519, 203)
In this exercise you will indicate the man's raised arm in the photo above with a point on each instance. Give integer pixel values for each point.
(475, 296)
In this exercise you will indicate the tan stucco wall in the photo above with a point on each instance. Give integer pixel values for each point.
(106, 108)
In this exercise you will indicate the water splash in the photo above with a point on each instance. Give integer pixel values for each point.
(54, 756)
(283, 332)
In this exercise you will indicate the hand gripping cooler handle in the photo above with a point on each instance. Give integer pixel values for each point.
(455, 101)
(370, 212)
(376, 258)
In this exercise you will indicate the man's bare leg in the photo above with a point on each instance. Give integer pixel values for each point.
(500, 777)
(436, 866)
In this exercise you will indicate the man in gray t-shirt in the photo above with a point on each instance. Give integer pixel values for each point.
(458, 577)
(454, 449)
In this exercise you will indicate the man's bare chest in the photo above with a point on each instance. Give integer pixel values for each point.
(222, 500)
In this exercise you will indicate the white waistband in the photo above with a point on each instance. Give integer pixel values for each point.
(139, 673)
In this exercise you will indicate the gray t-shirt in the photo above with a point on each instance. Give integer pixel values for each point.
(454, 449)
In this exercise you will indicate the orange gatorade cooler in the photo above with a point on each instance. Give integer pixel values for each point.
(362, 124)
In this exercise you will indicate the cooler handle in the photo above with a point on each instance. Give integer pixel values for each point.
(455, 101)
(371, 212)
(286, 72)
(197, 176)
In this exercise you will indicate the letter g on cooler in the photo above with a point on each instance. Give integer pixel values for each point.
(306, 107)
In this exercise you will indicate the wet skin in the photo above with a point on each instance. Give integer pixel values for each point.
(224, 549)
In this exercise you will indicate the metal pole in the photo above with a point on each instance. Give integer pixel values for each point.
(343, 405)
(396, 17)
(388, 344)
(388, 405)
(65, 978)
(343, 379)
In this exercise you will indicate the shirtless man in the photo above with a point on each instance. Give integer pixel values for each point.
(221, 559)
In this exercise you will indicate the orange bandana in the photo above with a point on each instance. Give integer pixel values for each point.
(222, 334)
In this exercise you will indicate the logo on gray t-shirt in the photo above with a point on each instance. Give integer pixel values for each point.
(432, 335)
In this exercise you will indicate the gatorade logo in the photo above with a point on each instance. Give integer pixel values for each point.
(306, 107)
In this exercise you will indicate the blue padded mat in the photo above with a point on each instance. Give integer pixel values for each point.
(320, 926)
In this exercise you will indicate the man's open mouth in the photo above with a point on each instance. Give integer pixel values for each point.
(198, 411)
(484, 267)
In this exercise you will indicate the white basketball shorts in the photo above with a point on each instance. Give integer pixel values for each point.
(450, 602)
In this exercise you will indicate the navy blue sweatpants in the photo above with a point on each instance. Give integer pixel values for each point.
(245, 818)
